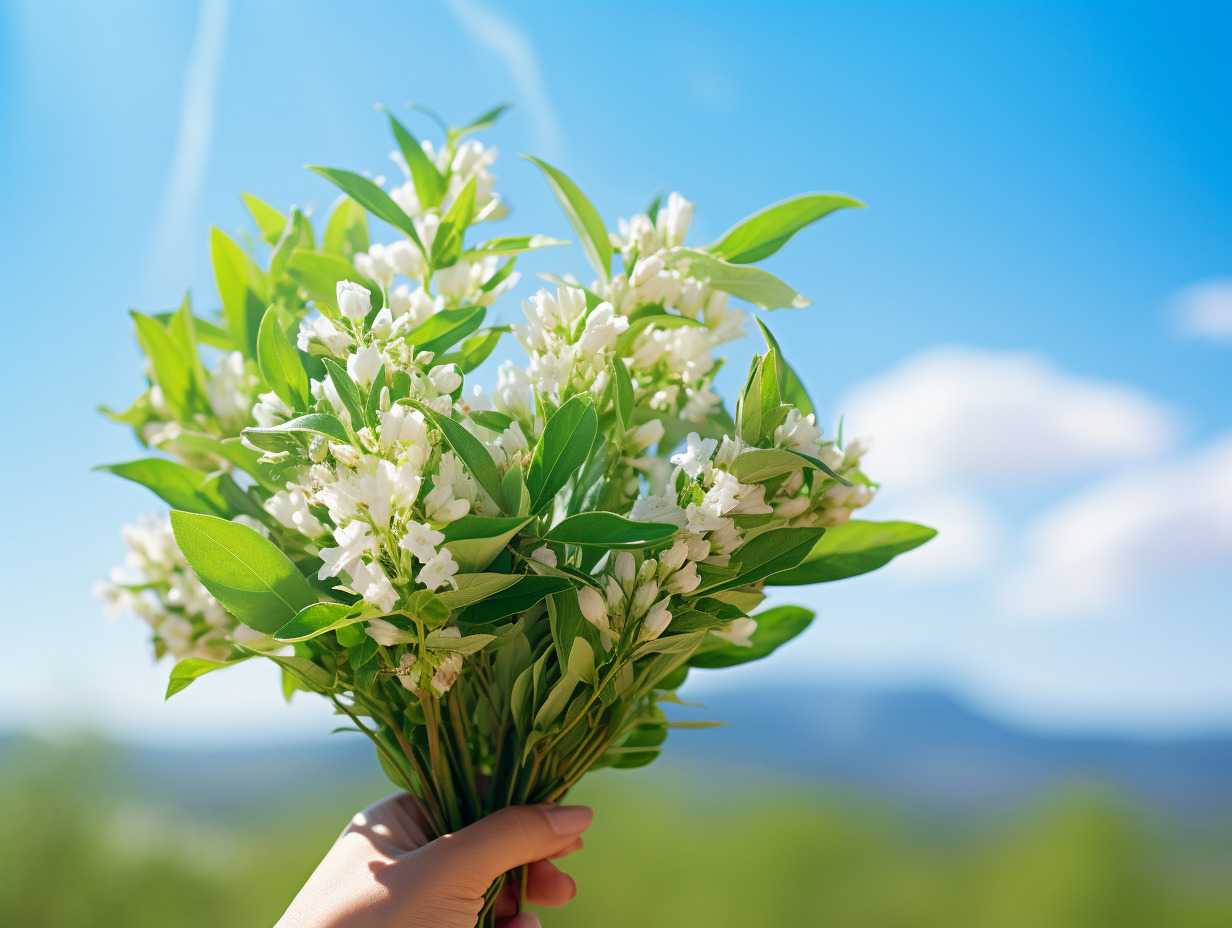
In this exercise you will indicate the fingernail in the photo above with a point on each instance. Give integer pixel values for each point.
(569, 820)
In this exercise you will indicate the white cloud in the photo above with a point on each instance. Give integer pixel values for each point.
(969, 534)
(512, 45)
(1205, 309)
(958, 415)
(1093, 551)
(192, 142)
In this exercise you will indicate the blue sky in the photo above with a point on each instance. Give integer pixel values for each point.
(1014, 317)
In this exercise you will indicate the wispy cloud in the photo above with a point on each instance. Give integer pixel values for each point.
(192, 143)
(1205, 310)
(514, 48)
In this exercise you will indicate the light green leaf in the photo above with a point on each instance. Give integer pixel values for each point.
(189, 669)
(624, 390)
(315, 423)
(429, 184)
(475, 541)
(237, 278)
(765, 555)
(530, 589)
(318, 273)
(512, 245)
(269, 220)
(790, 385)
(174, 483)
(854, 548)
(740, 280)
(765, 232)
(561, 450)
(246, 572)
(758, 464)
(372, 198)
(442, 330)
(670, 644)
(279, 361)
(447, 246)
(467, 644)
(171, 369)
(775, 627)
(475, 587)
(347, 391)
(582, 216)
(608, 530)
(314, 677)
(470, 449)
(482, 121)
(474, 350)
(346, 233)
(317, 619)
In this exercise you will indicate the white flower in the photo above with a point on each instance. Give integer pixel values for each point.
(695, 458)
(421, 541)
(454, 282)
(544, 555)
(674, 557)
(354, 300)
(602, 329)
(269, 410)
(751, 500)
(739, 633)
(644, 597)
(365, 364)
(646, 434)
(438, 571)
(792, 507)
(447, 673)
(684, 581)
(387, 634)
(290, 508)
(625, 569)
(593, 607)
(406, 675)
(370, 582)
(353, 539)
(798, 432)
(673, 219)
(445, 378)
(345, 454)
(657, 619)
(324, 331)
(657, 509)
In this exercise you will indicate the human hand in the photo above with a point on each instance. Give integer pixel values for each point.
(384, 872)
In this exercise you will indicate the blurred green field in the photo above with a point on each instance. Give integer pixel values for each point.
(85, 843)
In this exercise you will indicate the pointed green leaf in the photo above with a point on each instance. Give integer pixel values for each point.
(372, 198)
(854, 548)
(582, 216)
(740, 280)
(279, 361)
(561, 450)
(765, 232)
(775, 627)
(429, 184)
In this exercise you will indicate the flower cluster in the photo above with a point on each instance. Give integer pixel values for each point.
(497, 585)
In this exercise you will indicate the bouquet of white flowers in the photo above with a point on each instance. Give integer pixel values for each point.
(499, 588)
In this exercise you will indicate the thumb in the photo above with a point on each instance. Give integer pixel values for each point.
(475, 856)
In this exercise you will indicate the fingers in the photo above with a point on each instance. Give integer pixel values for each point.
(476, 855)
(524, 920)
(393, 825)
(575, 845)
(548, 885)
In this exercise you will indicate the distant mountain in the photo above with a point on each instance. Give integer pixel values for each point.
(929, 749)
(922, 748)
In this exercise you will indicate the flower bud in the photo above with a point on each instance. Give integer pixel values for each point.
(345, 454)
(593, 607)
(644, 597)
(354, 300)
(317, 449)
(684, 581)
(625, 568)
(657, 619)
(674, 557)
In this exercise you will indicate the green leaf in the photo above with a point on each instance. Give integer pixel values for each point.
(475, 541)
(748, 410)
(512, 245)
(561, 450)
(569, 626)
(346, 233)
(765, 555)
(491, 420)
(790, 385)
(246, 572)
(429, 184)
(269, 220)
(174, 483)
(189, 669)
(759, 464)
(315, 423)
(470, 449)
(475, 587)
(467, 644)
(208, 333)
(530, 589)
(279, 361)
(182, 328)
(514, 487)
(171, 369)
(319, 618)
(624, 390)
(372, 198)
(447, 246)
(347, 391)
(775, 627)
(608, 530)
(765, 232)
(236, 277)
(318, 273)
(582, 216)
(442, 330)
(854, 548)
(670, 644)
(659, 319)
(474, 350)
(315, 678)
(482, 121)
(740, 280)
